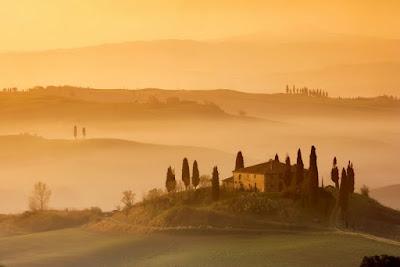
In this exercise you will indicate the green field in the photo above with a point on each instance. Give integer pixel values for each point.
(78, 247)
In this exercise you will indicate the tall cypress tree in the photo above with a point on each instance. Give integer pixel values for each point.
(170, 182)
(239, 161)
(313, 174)
(335, 173)
(299, 169)
(344, 195)
(288, 172)
(350, 177)
(215, 184)
(276, 157)
(185, 173)
(195, 175)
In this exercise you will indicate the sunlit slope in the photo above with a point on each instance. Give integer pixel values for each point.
(92, 172)
(77, 247)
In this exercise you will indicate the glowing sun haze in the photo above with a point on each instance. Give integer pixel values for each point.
(47, 24)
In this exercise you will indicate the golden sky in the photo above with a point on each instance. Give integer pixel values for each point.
(46, 24)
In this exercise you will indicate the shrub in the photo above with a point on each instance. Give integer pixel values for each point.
(380, 261)
(365, 191)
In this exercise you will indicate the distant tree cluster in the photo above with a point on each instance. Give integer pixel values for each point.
(306, 91)
(76, 132)
(10, 90)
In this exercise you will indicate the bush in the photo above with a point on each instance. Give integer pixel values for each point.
(365, 191)
(380, 261)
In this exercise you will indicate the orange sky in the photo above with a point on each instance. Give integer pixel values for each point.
(44, 24)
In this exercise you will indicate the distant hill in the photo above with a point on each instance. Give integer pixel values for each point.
(92, 172)
(198, 103)
(245, 63)
(388, 195)
(50, 106)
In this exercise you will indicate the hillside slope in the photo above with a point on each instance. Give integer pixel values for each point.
(388, 195)
(91, 172)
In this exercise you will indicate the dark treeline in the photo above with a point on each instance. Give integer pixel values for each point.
(306, 91)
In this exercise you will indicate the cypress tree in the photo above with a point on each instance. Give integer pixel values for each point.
(313, 174)
(350, 177)
(335, 173)
(299, 169)
(288, 172)
(239, 161)
(344, 194)
(75, 132)
(185, 173)
(215, 184)
(195, 175)
(170, 183)
(276, 157)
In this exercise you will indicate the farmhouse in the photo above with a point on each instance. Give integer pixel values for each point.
(264, 177)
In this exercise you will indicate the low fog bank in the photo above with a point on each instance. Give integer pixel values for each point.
(95, 171)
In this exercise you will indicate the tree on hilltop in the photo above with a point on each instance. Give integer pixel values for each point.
(313, 175)
(195, 175)
(335, 173)
(288, 172)
(170, 183)
(128, 198)
(350, 177)
(239, 161)
(185, 173)
(40, 198)
(344, 195)
(299, 169)
(75, 132)
(215, 184)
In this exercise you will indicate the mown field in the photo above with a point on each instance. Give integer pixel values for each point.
(79, 247)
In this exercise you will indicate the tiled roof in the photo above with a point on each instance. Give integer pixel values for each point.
(271, 166)
(227, 180)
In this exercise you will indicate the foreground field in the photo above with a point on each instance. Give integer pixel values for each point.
(77, 247)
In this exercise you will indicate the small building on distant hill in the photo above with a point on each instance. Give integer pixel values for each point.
(264, 177)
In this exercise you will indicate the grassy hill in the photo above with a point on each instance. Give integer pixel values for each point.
(188, 229)
(77, 247)
(244, 210)
(388, 195)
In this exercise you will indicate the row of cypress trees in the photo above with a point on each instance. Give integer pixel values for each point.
(299, 173)
(193, 180)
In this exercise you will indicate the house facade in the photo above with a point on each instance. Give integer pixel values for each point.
(264, 177)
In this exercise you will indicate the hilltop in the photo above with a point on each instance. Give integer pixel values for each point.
(249, 211)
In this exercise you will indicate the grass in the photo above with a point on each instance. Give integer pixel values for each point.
(77, 247)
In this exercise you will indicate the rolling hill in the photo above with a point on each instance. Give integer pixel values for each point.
(251, 64)
(91, 172)
(388, 195)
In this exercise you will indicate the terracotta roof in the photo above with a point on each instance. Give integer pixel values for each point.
(271, 166)
(227, 180)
